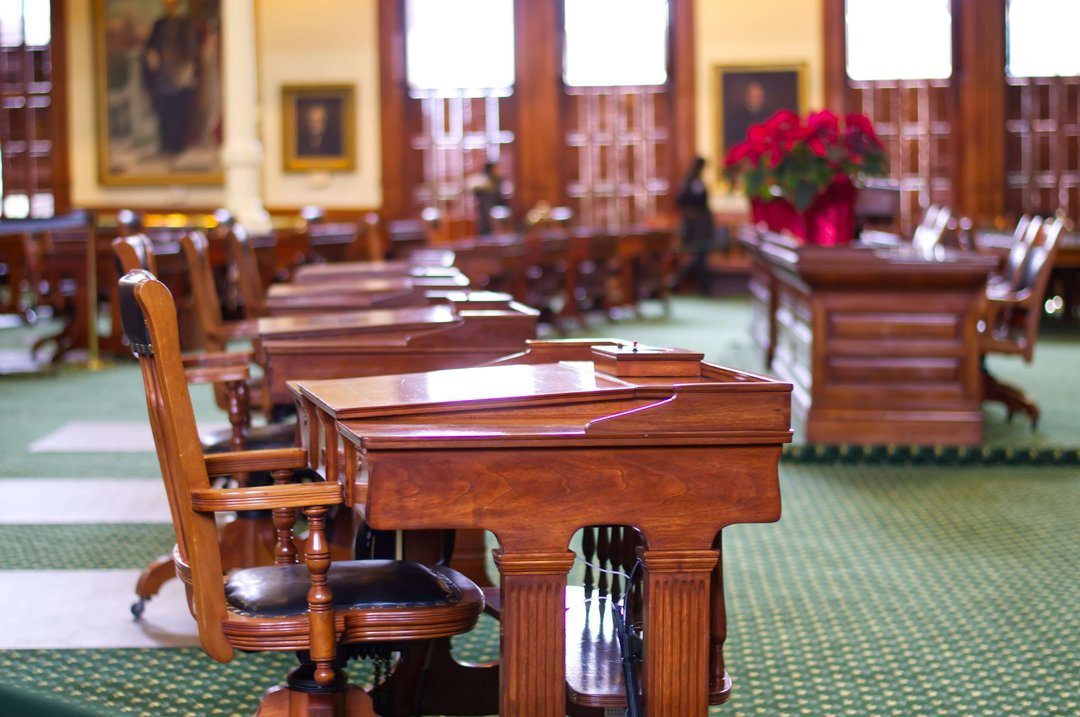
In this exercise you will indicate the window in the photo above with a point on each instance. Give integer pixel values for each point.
(917, 44)
(1039, 47)
(616, 78)
(1042, 120)
(459, 58)
(26, 113)
(468, 44)
(615, 42)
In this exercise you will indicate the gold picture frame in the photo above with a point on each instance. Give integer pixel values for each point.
(157, 92)
(318, 128)
(749, 94)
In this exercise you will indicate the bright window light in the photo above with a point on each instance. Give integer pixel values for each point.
(615, 42)
(889, 40)
(38, 19)
(1042, 38)
(11, 23)
(16, 206)
(464, 44)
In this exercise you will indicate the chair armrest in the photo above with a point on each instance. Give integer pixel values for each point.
(216, 374)
(214, 359)
(237, 330)
(270, 459)
(269, 497)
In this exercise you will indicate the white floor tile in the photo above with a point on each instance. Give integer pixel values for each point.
(57, 609)
(83, 500)
(103, 437)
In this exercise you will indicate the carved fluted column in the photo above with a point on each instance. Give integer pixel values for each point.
(677, 622)
(533, 664)
(242, 154)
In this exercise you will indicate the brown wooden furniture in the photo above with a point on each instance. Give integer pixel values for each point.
(365, 343)
(648, 438)
(881, 344)
(1011, 322)
(321, 610)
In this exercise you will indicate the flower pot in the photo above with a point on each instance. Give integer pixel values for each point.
(829, 221)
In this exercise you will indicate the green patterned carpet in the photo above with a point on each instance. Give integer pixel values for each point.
(918, 584)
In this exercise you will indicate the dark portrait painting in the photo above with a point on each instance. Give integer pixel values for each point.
(158, 91)
(318, 128)
(750, 95)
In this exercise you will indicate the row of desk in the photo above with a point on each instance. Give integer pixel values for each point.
(443, 415)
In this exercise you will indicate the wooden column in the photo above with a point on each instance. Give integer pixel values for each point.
(835, 56)
(539, 138)
(392, 98)
(677, 631)
(979, 131)
(242, 154)
(58, 49)
(683, 96)
(533, 646)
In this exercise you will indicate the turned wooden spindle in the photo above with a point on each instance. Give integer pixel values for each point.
(588, 553)
(320, 600)
(285, 552)
(603, 547)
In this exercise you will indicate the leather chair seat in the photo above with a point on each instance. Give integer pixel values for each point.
(281, 590)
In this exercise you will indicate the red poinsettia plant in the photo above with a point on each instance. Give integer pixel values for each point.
(787, 158)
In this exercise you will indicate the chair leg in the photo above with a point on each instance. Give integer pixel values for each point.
(1013, 398)
(281, 701)
(153, 576)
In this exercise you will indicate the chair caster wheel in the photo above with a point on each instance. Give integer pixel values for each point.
(137, 608)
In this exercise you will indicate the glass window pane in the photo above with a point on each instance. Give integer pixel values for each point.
(1042, 38)
(16, 206)
(615, 42)
(889, 40)
(464, 44)
(38, 30)
(11, 23)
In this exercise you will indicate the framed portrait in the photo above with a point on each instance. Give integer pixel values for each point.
(318, 128)
(158, 91)
(750, 94)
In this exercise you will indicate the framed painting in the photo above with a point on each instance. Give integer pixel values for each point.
(750, 94)
(158, 91)
(318, 128)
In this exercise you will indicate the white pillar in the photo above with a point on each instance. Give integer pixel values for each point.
(242, 155)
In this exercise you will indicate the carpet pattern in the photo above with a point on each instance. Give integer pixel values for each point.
(899, 581)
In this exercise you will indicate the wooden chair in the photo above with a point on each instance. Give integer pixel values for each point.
(928, 235)
(325, 611)
(248, 277)
(1011, 322)
(216, 331)
(1028, 230)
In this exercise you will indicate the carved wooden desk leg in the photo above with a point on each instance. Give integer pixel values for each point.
(533, 635)
(719, 682)
(676, 606)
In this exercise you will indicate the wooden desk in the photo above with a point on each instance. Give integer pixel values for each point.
(656, 440)
(363, 293)
(462, 332)
(352, 270)
(880, 344)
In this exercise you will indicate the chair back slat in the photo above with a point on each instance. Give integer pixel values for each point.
(242, 252)
(148, 314)
(201, 276)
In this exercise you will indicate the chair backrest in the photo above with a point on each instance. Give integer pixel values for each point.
(1028, 229)
(1032, 283)
(134, 251)
(148, 314)
(201, 276)
(928, 234)
(242, 251)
